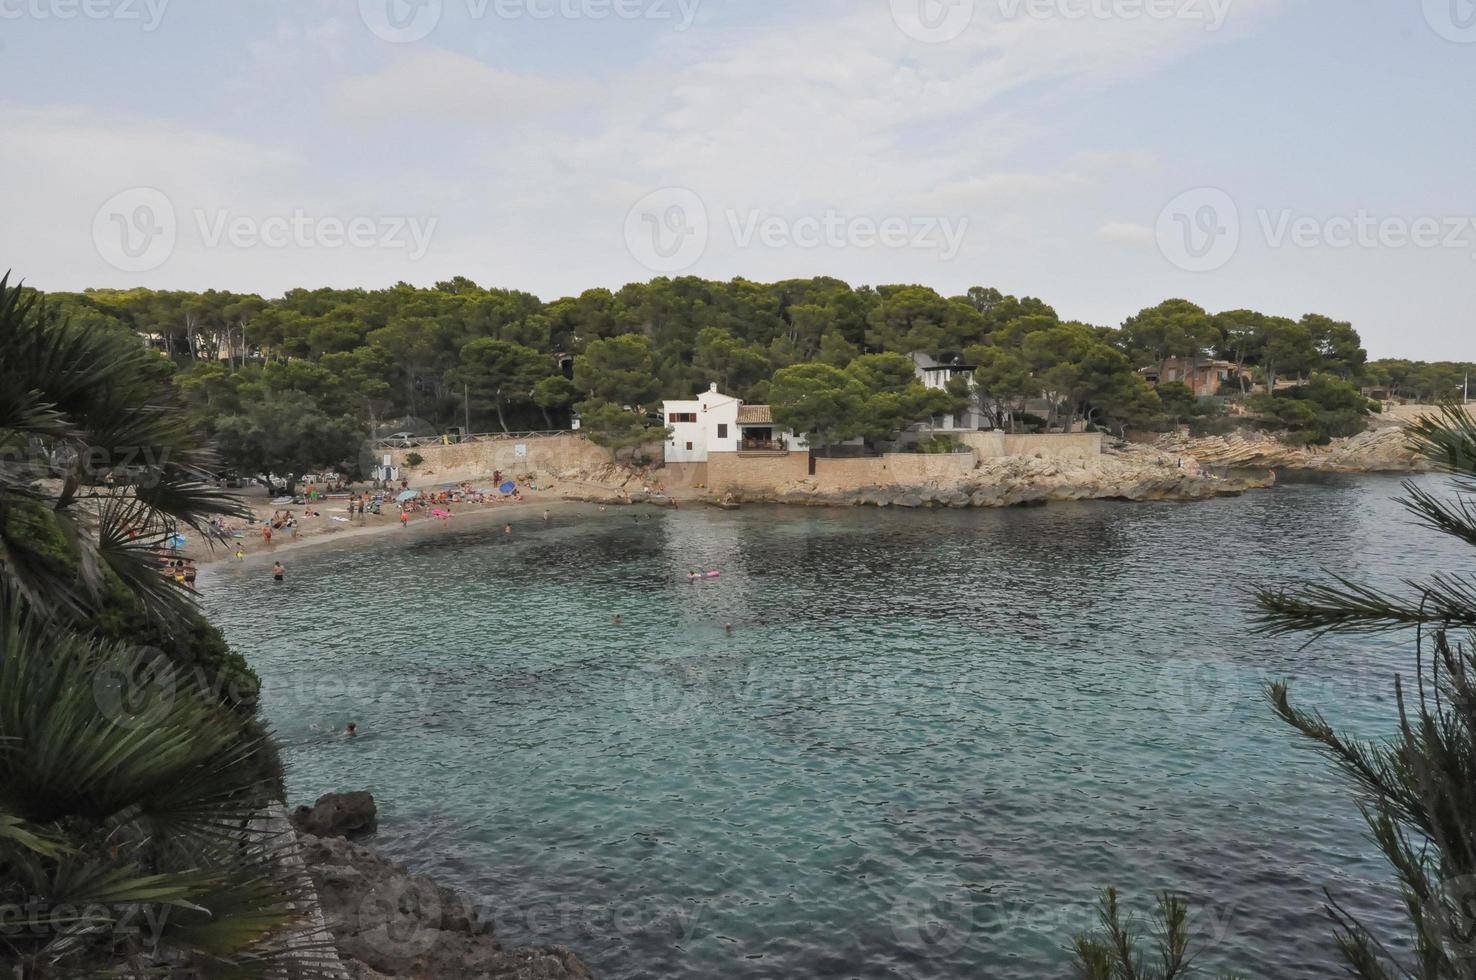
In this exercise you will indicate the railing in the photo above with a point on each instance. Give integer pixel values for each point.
(419, 442)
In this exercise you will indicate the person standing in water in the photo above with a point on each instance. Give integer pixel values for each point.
(278, 572)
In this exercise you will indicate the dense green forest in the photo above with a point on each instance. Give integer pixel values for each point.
(292, 383)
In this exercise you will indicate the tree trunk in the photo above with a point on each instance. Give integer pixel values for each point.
(500, 420)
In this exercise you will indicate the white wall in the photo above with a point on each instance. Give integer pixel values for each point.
(713, 409)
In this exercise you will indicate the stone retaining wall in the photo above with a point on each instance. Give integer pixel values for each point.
(1053, 445)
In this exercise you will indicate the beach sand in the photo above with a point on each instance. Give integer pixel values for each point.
(318, 531)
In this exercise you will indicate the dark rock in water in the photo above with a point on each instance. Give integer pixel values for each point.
(390, 924)
(351, 815)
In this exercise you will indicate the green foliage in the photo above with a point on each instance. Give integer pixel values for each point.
(97, 465)
(1420, 380)
(284, 437)
(413, 459)
(1114, 953)
(132, 811)
(621, 371)
(1317, 412)
(501, 373)
(1418, 790)
(937, 446)
(819, 401)
(608, 424)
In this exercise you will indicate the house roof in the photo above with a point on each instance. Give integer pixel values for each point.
(755, 415)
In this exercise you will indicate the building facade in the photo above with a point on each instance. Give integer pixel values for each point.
(717, 423)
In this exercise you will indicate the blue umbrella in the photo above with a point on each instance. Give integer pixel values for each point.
(177, 541)
(508, 487)
(407, 495)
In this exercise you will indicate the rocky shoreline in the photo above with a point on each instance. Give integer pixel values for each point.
(1125, 473)
(1383, 449)
(388, 923)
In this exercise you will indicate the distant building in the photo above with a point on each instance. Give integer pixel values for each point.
(717, 423)
(936, 375)
(1201, 375)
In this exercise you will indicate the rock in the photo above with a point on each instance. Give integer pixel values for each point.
(350, 815)
(391, 924)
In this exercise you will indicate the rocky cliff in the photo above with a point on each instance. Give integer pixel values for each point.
(388, 923)
(1382, 449)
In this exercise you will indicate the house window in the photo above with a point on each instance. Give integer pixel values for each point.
(722, 430)
(689, 447)
(683, 417)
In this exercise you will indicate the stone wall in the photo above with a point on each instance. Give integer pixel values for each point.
(1053, 445)
(479, 460)
(892, 470)
(738, 473)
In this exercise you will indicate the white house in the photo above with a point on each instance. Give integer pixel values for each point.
(719, 423)
(936, 375)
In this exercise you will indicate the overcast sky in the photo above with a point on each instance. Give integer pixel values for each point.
(1290, 156)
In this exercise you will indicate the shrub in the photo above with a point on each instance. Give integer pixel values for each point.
(413, 460)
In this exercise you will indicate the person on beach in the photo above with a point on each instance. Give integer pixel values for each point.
(546, 516)
(404, 518)
(240, 553)
(278, 572)
(190, 575)
(266, 534)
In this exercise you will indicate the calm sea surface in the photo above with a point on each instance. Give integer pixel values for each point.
(929, 742)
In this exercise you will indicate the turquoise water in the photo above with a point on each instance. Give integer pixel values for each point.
(928, 743)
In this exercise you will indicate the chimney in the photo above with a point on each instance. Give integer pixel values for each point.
(713, 388)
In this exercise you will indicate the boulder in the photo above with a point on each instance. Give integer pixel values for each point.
(350, 815)
(391, 924)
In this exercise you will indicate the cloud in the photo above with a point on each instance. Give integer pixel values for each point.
(429, 83)
(1126, 232)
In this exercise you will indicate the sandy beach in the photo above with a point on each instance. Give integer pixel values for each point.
(322, 530)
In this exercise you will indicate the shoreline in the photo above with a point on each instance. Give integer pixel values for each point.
(480, 517)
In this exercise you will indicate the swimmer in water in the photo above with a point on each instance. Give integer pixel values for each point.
(728, 629)
(507, 529)
(546, 516)
(352, 729)
(278, 572)
(618, 620)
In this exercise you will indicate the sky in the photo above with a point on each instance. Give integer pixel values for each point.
(1288, 156)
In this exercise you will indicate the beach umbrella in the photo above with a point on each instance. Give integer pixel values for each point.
(177, 541)
(407, 496)
(508, 487)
